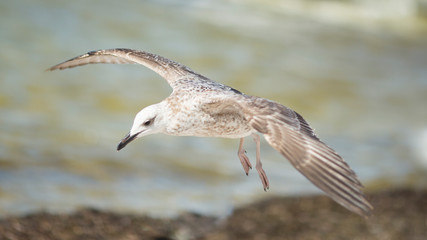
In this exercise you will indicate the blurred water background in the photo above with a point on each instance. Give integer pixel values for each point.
(356, 70)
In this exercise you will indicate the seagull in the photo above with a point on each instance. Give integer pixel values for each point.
(202, 107)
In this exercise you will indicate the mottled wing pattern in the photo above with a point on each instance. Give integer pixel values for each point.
(287, 132)
(168, 69)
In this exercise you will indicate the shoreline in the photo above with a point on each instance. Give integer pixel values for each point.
(398, 214)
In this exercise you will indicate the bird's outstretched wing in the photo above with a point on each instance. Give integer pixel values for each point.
(168, 69)
(287, 132)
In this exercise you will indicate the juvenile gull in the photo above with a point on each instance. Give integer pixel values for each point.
(201, 107)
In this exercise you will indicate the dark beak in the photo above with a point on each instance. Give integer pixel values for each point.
(127, 139)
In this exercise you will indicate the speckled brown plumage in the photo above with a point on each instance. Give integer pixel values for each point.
(201, 107)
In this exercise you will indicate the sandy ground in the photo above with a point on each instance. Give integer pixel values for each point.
(399, 214)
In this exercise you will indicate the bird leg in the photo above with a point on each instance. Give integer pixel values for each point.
(258, 165)
(243, 158)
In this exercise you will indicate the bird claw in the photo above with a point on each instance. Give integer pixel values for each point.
(263, 177)
(246, 164)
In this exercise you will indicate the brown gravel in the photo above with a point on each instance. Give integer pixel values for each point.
(399, 214)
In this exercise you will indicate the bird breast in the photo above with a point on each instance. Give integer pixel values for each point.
(189, 120)
(205, 125)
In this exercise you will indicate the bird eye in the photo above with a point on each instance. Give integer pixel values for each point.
(148, 122)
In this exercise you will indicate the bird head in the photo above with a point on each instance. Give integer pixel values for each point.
(148, 121)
